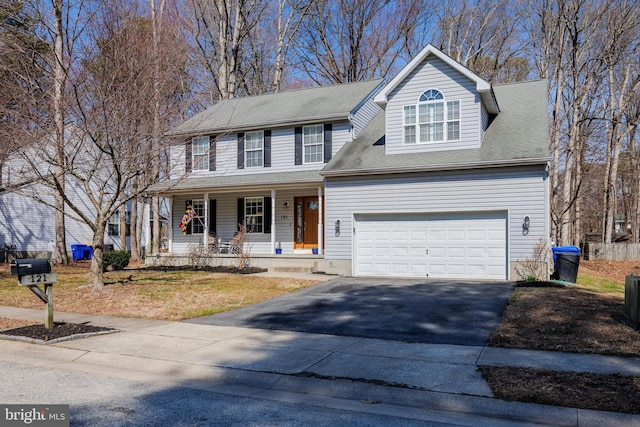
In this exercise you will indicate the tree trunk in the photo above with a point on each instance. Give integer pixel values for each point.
(58, 106)
(156, 20)
(97, 260)
(133, 231)
(122, 211)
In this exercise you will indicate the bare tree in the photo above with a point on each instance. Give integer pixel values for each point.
(621, 49)
(485, 36)
(220, 31)
(25, 81)
(351, 40)
(59, 81)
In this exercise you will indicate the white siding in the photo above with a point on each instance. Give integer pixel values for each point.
(520, 193)
(485, 122)
(282, 153)
(434, 74)
(226, 217)
(30, 225)
(176, 160)
(363, 115)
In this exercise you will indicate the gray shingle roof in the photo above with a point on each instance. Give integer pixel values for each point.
(518, 135)
(191, 184)
(279, 109)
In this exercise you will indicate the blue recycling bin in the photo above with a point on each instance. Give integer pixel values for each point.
(77, 252)
(88, 252)
(566, 260)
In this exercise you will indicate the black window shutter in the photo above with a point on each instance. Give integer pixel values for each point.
(267, 149)
(186, 206)
(212, 153)
(241, 151)
(187, 157)
(328, 128)
(240, 212)
(298, 145)
(212, 216)
(267, 215)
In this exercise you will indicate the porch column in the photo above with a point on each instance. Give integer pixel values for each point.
(205, 221)
(320, 225)
(170, 225)
(273, 222)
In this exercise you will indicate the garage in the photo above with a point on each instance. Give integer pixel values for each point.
(450, 246)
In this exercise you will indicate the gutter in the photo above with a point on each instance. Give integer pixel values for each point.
(435, 168)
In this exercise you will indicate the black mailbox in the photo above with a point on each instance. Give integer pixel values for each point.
(22, 267)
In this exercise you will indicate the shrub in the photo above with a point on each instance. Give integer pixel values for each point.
(118, 260)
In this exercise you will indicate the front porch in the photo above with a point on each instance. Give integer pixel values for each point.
(278, 226)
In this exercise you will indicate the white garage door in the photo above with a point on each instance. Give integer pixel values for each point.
(460, 246)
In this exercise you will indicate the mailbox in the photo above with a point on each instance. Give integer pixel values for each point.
(26, 266)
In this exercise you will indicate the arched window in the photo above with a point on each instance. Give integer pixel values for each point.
(432, 119)
(431, 95)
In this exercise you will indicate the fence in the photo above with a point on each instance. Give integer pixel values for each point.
(612, 251)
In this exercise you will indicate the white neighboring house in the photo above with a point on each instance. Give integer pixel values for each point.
(28, 225)
(435, 173)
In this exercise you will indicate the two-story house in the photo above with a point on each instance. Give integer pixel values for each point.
(435, 173)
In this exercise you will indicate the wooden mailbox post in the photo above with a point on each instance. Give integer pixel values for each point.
(32, 273)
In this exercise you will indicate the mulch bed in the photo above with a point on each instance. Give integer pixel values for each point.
(60, 330)
(612, 393)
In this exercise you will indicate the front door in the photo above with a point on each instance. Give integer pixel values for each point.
(306, 222)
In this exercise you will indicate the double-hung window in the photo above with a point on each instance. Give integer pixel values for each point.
(254, 149)
(313, 144)
(254, 214)
(197, 222)
(432, 119)
(113, 225)
(200, 153)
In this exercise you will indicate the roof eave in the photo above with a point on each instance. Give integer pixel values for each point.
(439, 167)
(482, 86)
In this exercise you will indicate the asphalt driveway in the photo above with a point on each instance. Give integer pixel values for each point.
(431, 311)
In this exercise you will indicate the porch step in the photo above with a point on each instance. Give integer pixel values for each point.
(294, 269)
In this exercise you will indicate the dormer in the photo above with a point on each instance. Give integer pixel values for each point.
(435, 104)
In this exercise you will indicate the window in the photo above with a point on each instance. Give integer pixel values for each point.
(200, 153)
(113, 225)
(197, 222)
(313, 144)
(436, 120)
(254, 214)
(254, 149)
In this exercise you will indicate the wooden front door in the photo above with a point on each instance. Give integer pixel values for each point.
(306, 222)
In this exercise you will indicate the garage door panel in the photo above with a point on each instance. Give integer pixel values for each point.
(398, 252)
(468, 246)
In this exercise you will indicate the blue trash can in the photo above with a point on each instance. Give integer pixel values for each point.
(77, 252)
(566, 260)
(88, 252)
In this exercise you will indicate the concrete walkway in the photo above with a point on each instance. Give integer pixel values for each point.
(431, 382)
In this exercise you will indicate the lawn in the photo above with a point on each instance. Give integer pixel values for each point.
(149, 294)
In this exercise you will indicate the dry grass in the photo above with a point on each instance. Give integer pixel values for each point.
(150, 294)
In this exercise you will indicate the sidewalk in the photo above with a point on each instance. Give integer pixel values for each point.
(439, 383)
